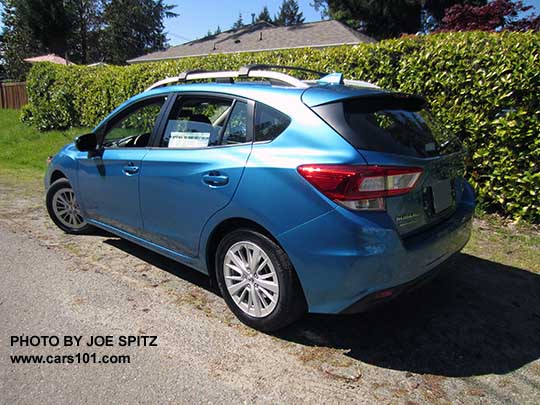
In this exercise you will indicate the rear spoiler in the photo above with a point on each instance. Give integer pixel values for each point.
(320, 95)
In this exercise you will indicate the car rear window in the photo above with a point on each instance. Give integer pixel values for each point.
(389, 123)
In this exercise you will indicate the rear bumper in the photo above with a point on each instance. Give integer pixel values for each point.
(380, 297)
(343, 258)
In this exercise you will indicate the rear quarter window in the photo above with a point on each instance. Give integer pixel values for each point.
(269, 123)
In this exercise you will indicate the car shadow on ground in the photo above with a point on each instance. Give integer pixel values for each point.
(477, 317)
(164, 263)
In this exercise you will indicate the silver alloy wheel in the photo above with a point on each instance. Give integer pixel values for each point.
(251, 279)
(66, 209)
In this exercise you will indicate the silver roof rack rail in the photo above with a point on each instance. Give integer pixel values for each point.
(259, 66)
(262, 71)
(252, 71)
(324, 77)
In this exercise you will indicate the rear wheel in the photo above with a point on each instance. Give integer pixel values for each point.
(258, 281)
(63, 208)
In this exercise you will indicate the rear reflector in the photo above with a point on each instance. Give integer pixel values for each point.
(361, 187)
(383, 294)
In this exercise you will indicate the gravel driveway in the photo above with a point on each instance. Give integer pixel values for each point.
(471, 336)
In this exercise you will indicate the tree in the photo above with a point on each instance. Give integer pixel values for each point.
(385, 18)
(133, 28)
(214, 33)
(495, 15)
(83, 30)
(64, 27)
(264, 16)
(87, 25)
(16, 42)
(437, 7)
(49, 21)
(289, 14)
(238, 23)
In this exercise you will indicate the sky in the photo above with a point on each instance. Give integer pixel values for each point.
(199, 16)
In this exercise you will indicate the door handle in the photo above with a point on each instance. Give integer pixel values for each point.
(130, 169)
(215, 179)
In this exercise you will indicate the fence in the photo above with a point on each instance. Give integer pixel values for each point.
(13, 95)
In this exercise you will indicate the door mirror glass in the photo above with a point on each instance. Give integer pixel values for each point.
(86, 143)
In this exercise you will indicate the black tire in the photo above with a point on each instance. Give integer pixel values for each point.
(291, 304)
(62, 184)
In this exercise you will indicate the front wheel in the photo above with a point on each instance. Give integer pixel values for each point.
(63, 208)
(258, 281)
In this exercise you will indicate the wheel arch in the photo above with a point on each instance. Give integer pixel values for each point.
(57, 175)
(222, 229)
(218, 233)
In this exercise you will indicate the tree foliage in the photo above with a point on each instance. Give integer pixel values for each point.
(133, 28)
(497, 14)
(50, 22)
(84, 31)
(16, 42)
(264, 16)
(239, 23)
(84, 43)
(289, 14)
(385, 18)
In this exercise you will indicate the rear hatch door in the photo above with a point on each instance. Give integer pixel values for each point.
(395, 129)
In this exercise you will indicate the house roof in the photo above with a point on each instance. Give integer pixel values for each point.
(263, 36)
(48, 58)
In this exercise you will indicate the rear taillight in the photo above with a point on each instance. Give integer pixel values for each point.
(361, 187)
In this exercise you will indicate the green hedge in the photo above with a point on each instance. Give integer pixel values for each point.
(483, 86)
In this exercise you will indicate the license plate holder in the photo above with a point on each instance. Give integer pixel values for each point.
(442, 195)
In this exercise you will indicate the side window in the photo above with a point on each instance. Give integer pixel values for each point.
(134, 128)
(196, 122)
(269, 123)
(236, 129)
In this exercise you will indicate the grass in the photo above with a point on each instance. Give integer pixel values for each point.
(514, 244)
(24, 150)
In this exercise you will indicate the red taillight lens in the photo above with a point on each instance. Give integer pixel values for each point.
(366, 186)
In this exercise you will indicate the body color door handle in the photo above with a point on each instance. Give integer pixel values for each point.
(215, 179)
(130, 169)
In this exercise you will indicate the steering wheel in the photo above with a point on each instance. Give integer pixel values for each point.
(142, 140)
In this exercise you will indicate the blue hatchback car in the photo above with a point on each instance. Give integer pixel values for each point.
(326, 196)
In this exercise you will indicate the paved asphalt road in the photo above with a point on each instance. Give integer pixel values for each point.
(38, 297)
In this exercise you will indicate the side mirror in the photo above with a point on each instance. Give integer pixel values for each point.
(86, 143)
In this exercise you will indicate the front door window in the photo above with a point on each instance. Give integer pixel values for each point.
(133, 128)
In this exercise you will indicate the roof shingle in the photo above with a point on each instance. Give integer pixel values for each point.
(264, 37)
